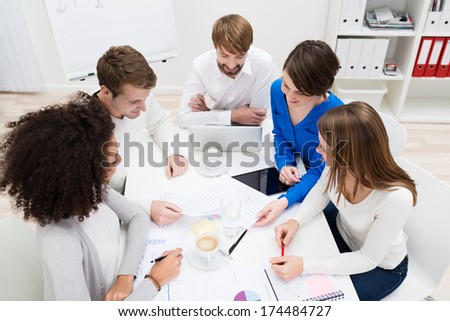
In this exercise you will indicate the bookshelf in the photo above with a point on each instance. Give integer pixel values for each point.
(408, 98)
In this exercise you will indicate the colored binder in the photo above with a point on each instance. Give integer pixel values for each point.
(422, 56)
(443, 65)
(433, 57)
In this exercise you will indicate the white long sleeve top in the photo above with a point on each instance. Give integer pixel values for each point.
(372, 228)
(251, 86)
(158, 123)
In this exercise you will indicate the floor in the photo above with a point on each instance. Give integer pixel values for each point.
(427, 146)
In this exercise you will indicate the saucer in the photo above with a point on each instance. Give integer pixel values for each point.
(216, 171)
(200, 263)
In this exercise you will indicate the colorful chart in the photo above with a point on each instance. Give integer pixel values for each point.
(247, 295)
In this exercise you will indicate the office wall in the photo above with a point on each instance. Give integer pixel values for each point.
(278, 27)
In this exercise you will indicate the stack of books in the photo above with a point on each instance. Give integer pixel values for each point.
(401, 20)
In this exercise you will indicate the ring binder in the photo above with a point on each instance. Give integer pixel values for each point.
(333, 296)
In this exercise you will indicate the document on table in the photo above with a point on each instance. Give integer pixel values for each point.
(206, 200)
(249, 283)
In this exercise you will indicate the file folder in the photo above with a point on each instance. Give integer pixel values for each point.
(379, 55)
(432, 21)
(433, 57)
(345, 15)
(443, 65)
(365, 61)
(342, 47)
(444, 23)
(354, 55)
(357, 14)
(422, 56)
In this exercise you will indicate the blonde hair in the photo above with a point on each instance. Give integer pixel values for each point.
(360, 146)
(232, 33)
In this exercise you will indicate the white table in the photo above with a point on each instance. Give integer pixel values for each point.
(258, 245)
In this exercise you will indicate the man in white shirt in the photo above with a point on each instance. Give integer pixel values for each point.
(126, 80)
(234, 75)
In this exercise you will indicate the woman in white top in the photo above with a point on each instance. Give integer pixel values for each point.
(373, 197)
(56, 164)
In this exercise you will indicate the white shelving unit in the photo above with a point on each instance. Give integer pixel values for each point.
(408, 98)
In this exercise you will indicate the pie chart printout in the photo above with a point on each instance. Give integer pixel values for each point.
(247, 295)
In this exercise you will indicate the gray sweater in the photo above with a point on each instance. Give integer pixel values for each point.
(70, 261)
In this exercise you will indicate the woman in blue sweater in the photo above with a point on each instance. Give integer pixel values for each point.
(298, 100)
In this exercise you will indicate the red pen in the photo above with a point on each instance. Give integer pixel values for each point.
(282, 249)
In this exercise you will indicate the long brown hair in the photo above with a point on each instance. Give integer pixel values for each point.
(359, 145)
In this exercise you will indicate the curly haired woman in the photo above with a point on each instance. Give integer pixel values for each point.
(56, 163)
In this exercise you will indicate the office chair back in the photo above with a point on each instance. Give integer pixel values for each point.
(428, 230)
(396, 132)
(21, 277)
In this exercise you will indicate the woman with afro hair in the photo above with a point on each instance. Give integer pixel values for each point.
(56, 163)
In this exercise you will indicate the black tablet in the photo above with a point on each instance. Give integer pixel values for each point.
(264, 180)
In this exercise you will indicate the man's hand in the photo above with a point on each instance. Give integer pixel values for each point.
(197, 103)
(177, 165)
(163, 212)
(246, 115)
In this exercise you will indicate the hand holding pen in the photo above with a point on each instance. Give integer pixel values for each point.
(285, 232)
(166, 267)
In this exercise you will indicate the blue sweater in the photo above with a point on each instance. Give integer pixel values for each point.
(302, 139)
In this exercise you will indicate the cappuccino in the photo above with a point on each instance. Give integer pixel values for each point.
(207, 244)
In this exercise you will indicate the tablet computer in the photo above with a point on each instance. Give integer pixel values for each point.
(264, 180)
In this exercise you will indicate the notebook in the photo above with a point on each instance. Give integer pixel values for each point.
(306, 287)
(226, 138)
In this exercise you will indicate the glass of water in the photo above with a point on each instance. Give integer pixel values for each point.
(230, 213)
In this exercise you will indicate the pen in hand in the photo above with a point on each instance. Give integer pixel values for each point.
(158, 259)
(282, 244)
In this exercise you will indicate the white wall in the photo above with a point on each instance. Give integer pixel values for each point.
(278, 26)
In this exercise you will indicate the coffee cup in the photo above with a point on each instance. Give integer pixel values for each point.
(207, 246)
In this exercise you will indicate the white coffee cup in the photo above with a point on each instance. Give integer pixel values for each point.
(207, 246)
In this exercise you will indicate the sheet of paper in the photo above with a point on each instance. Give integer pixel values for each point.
(226, 284)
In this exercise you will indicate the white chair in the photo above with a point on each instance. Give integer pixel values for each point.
(396, 132)
(428, 230)
(21, 277)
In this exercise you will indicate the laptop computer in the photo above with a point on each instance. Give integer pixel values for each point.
(225, 138)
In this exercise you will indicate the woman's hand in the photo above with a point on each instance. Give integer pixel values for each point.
(287, 267)
(289, 175)
(271, 211)
(121, 288)
(286, 231)
(168, 268)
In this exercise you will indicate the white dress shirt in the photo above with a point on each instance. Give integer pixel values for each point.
(251, 86)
